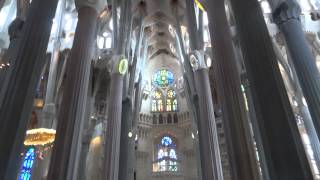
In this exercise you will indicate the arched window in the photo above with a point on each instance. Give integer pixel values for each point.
(172, 104)
(163, 82)
(160, 119)
(27, 164)
(157, 101)
(175, 118)
(166, 156)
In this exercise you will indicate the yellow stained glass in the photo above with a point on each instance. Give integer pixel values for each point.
(160, 105)
(169, 105)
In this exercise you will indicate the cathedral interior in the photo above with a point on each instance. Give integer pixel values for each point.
(159, 89)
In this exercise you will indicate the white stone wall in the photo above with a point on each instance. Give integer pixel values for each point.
(145, 153)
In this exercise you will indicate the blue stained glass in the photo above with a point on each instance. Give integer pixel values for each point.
(27, 164)
(173, 154)
(163, 78)
(166, 141)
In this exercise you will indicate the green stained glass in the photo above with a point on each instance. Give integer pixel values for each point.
(175, 105)
(163, 78)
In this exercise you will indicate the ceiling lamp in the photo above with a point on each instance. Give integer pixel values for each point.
(40, 136)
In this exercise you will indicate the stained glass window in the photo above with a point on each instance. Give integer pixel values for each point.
(169, 105)
(163, 78)
(175, 105)
(157, 101)
(163, 102)
(172, 103)
(171, 94)
(166, 141)
(166, 156)
(172, 154)
(27, 164)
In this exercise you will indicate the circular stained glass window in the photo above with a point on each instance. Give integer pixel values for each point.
(163, 78)
(166, 141)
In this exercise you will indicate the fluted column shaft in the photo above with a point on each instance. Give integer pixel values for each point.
(49, 107)
(208, 138)
(293, 80)
(284, 152)
(188, 86)
(236, 125)
(70, 120)
(255, 128)
(1, 4)
(16, 99)
(112, 140)
(287, 16)
(126, 126)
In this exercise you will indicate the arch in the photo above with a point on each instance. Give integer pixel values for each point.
(166, 155)
(160, 119)
(169, 119)
(171, 100)
(154, 119)
(157, 101)
(175, 118)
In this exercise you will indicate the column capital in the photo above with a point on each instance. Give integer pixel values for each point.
(197, 60)
(315, 15)
(15, 28)
(97, 5)
(286, 11)
(119, 64)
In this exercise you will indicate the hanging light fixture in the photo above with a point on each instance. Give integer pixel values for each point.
(40, 136)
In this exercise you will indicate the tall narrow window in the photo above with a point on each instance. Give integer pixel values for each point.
(157, 101)
(27, 164)
(166, 157)
(172, 104)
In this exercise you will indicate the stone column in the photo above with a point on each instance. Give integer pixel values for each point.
(9, 56)
(188, 85)
(127, 143)
(255, 128)
(287, 16)
(85, 145)
(284, 151)
(17, 95)
(22, 8)
(2, 3)
(236, 125)
(89, 127)
(114, 24)
(49, 106)
(65, 155)
(126, 127)
(113, 132)
(304, 111)
(208, 137)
